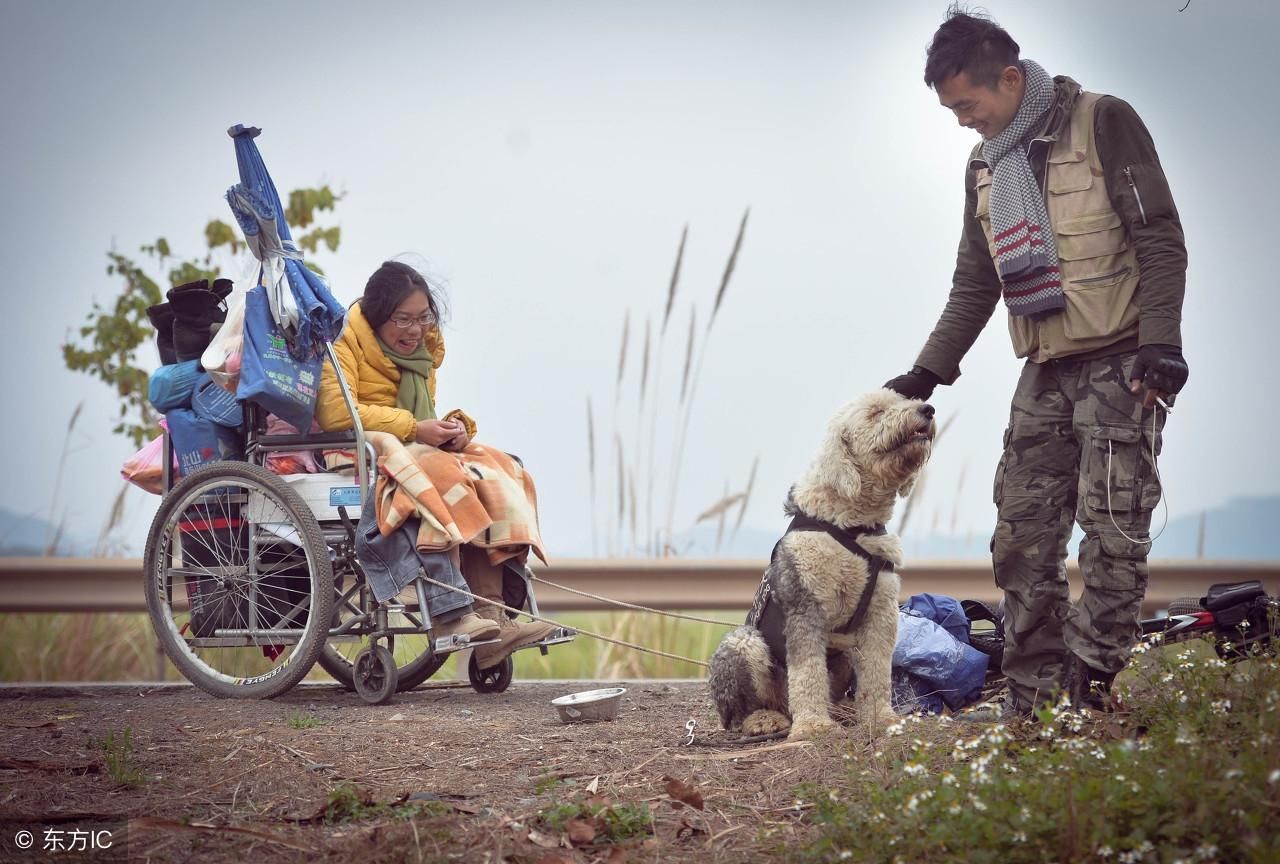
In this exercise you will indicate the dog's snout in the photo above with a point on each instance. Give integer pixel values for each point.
(927, 410)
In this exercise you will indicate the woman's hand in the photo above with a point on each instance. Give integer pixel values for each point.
(459, 442)
(439, 432)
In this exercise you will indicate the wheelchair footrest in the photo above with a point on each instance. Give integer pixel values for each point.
(457, 642)
(557, 636)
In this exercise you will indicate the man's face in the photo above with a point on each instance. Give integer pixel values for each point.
(985, 109)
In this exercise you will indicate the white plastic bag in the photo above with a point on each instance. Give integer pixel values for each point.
(222, 358)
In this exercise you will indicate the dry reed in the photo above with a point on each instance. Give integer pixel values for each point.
(591, 475)
(655, 548)
(746, 496)
(917, 493)
(687, 403)
(59, 525)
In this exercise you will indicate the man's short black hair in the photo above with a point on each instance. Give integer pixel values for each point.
(969, 43)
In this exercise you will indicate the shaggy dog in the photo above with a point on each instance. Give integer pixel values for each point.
(826, 638)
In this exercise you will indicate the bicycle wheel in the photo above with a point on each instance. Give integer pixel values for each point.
(415, 662)
(238, 581)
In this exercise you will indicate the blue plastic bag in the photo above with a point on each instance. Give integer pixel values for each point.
(936, 667)
(214, 402)
(197, 441)
(269, 374)
(171, 386)
(944, 611)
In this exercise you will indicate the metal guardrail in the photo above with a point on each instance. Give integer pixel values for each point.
(115, 585)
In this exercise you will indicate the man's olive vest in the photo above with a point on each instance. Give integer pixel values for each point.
(1099, 266)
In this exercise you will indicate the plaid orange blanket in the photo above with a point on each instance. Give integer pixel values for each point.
(479, 495)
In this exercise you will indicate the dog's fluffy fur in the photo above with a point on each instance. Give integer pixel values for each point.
(874, 448)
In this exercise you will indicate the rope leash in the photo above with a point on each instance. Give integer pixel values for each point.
(1164, 497)
(601, 637)
(549, 583)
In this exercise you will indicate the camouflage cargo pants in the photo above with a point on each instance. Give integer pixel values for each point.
(1078, 448)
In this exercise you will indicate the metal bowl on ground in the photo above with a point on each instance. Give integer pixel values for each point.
(589, 705)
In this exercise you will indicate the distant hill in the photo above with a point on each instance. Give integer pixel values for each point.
(1243, 529)
(24, 535)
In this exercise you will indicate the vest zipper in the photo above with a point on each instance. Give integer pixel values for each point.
(1128, 173)
(1123, 271)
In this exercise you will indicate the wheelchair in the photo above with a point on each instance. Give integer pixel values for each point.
(251, 578)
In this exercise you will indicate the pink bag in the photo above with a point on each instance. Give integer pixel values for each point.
(145, 469)
(290, 461)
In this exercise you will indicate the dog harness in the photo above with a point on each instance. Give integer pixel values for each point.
(766, 615)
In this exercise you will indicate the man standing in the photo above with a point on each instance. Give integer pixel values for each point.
(1068, 218)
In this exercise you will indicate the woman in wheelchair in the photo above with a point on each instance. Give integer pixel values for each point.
(389, 351)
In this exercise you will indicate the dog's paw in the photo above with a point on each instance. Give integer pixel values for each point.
(811, 727)
(765, 722)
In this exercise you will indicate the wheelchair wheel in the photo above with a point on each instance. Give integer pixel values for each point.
(238, 581)
(411, 652)
(495, 679)
(374, 673)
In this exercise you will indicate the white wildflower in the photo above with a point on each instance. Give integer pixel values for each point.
(1206, 851)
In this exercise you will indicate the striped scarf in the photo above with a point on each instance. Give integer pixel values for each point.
(1026, 255)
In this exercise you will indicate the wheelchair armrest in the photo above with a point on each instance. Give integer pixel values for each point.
(317, 441)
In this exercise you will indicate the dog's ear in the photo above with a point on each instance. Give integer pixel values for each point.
(908, 487)
(848, 480)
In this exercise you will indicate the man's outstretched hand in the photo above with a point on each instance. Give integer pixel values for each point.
(916, 384)
(1161, 369)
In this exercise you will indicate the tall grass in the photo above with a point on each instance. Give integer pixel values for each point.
(122, 647)
(650, 533)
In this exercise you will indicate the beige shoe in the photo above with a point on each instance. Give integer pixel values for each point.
(512, 637)
(470, 625)
(408, 596)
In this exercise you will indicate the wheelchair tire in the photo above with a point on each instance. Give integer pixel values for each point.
(198, 554)
(408, 675)
(374, 673)
(414, 659)
(495, 679)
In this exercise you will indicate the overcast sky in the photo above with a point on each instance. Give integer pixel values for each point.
(542, 158)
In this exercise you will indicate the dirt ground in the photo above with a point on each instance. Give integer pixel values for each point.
(204, 779)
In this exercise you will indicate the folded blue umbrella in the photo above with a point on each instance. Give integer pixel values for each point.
(256, 205)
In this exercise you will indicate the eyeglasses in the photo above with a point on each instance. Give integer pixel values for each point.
(404, 322)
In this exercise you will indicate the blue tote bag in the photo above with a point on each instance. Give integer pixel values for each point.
(269, 374)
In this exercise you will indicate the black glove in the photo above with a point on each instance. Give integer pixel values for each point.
(1160, 367)
(916, 384)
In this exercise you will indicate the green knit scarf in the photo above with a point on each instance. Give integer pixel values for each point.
(413, 394)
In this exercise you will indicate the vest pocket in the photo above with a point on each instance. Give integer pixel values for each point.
(983, 187)
(1100, 306)
(1087, 237)
(1098, 274)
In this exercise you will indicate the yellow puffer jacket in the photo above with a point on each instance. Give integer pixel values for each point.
(374, 381)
